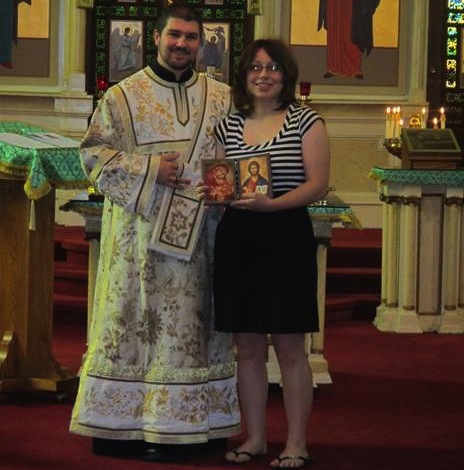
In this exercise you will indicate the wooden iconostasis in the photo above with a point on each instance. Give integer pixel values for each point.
(227, 28)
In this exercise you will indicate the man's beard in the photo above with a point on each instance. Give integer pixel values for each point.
(178, 66)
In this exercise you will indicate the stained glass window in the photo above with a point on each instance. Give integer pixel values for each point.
(454, 65)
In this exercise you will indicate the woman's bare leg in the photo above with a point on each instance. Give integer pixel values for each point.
(252, 388)
(297, 392)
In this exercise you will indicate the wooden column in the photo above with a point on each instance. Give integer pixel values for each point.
(385, 313)
(451, 318)
(407, 320)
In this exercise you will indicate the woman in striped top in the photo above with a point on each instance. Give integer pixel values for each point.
(265, 271)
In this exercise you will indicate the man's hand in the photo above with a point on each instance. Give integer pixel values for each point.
(169, 170)
(201, 189)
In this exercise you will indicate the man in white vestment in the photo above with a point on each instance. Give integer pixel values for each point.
(156, 374)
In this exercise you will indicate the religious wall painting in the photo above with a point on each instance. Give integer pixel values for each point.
(125, 55)
(335, 56)
(214, 54)
(28, 41)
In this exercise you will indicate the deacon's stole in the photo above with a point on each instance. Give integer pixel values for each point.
(180, 219)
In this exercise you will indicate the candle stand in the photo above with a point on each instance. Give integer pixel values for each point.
(394, 146)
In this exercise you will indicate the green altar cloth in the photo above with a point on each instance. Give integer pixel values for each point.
(419, 177)
(332, 209)
(42, 168)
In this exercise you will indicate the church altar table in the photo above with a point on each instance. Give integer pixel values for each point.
(28, 178)
(91, 211)
(422, 250)
(43, 169)
(324, 214)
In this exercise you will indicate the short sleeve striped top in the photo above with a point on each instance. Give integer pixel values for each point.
(285, 148)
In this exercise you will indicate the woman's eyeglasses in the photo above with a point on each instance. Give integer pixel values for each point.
(258, 68)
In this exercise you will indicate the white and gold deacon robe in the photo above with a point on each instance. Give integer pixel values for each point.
(155, 368)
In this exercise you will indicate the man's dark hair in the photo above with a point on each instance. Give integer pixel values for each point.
(281, 54)
(178, 10)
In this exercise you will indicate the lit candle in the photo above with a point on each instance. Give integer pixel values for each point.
(435, 123)
(423, 119)
(442, 118)
(387, 123)
(399, 125)
(391, 124)
(396, 122)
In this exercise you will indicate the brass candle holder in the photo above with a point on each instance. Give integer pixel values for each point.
(394, 146)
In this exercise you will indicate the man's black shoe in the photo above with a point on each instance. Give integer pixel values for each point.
(217, 444)
(189, 450)
(154, 453)
(213, 445)
(116, 447)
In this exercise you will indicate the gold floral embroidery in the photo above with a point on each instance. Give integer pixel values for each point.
(155, 367)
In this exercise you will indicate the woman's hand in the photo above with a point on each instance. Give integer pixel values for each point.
(254, 202)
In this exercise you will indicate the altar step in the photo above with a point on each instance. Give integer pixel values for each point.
(354, 273)
(70, 275)
(352, 284)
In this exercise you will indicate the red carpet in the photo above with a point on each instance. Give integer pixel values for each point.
(396, 404)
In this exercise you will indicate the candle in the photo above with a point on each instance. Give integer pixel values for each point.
(397, 128)
(392, 123)
(387, 123)
(435, 123)
(396, 122)
(423, 119)
(102, 83)
(305, 89)
(442, 118)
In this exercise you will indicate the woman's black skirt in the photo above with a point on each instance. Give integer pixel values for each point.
(265, 272)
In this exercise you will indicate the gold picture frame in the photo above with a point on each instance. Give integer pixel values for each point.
(84, 3)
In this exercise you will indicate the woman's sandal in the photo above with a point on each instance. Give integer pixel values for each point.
(306, 460)
(238, 453)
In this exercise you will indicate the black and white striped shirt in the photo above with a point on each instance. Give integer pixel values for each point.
(285, 148)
